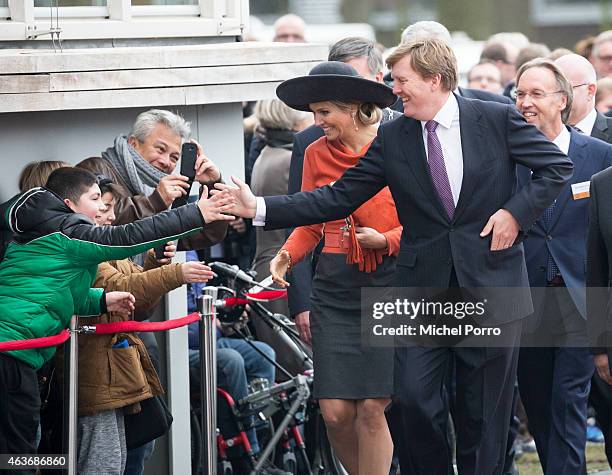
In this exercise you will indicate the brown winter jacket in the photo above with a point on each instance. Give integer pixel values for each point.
(110, 378)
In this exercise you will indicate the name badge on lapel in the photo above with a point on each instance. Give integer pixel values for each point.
(581, 190)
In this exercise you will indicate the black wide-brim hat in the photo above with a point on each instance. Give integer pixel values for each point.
(333, 81)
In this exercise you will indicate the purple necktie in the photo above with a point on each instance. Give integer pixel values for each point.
(437, 168)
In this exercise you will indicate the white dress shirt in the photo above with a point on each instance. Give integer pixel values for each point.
(449, 135)
(586, 125)
(563, 140)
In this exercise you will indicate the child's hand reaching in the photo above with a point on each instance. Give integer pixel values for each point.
(120, 302)
(194, 271)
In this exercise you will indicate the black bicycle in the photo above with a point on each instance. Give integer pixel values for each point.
(286, 417)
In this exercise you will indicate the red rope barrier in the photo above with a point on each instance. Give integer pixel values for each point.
(269, 295)
(30, 344)
(133, 326)
(233, 301)
(265, 295)
(100, 329)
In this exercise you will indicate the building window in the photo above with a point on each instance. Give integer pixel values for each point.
(70, 8)
(165, 7)
(117, 19)
(164, 2)
(70, 3)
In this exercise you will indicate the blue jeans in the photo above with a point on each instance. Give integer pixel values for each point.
(137, 457)
(237, 364)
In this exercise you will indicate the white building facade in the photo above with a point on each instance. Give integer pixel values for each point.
(118, 58)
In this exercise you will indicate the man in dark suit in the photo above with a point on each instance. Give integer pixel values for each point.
(451, 166)
(599, 277)
(366, 58)
(599, 272)
(602, 128)
(555, 366)
(433, 29)
(581, 74)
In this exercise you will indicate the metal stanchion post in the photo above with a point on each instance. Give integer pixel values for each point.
(73, 388)
(208, 379)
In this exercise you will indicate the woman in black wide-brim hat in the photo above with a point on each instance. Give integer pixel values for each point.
(353, 383)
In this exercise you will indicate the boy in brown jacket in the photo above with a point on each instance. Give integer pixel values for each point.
(115, 371)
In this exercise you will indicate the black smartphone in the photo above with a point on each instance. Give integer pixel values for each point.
(189, 155)
(159, 251)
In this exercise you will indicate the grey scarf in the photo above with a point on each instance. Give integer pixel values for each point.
(140, 176)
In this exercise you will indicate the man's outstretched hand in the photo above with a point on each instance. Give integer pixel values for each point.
(212, 208)
(237, 200)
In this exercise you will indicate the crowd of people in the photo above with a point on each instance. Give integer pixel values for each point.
(408, 180)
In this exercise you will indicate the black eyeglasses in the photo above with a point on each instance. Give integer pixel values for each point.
(535, 95)
(580, 85)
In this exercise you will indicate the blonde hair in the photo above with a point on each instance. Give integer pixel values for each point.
(275, 114)
(429, 57)
(367, 112)
(36, 173)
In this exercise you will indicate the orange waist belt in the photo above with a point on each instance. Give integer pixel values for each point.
(336, 243)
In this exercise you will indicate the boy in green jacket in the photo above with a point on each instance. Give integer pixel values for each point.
(47, 273)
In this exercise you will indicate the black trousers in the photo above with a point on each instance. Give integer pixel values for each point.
(19, 408)
(554, 383)
(481, 407)
(601, 400)
(485, 380)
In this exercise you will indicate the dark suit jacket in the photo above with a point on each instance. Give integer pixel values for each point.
(602, 129)
(484, 95)
(599, 262)
(565, 236)
(469, 94)
(495, 138)
(301, 274)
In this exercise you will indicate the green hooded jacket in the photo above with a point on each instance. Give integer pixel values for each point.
(48, 269)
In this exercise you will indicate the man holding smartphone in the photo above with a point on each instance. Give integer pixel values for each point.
(142, 163)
